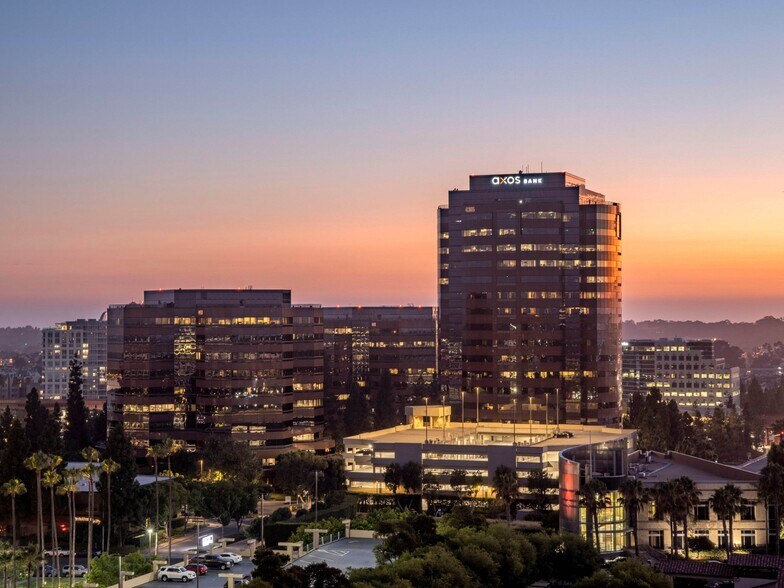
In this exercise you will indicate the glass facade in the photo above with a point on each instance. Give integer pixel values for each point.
(530, 297)
(362, 343)
(607, 462)
(192, 364)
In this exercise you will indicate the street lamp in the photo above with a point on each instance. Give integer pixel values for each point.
(477, 414)
(316, 475)
(443, 416)
(514, 425)
(426, 418)
(547, 414)
(201, 469)
(462, 412)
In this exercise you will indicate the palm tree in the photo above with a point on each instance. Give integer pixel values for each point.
(156, 452)
(13, 488)
(38, 462)
(69, 488)
(169, 448)
(109, 467)
(51, 480)
(506, 487)
(593, 497)
(665, 496)
(90, 470)
(771, 489)
(5, 559)
(726, 503)
(687, 498)
(633, 497)
(393, 478)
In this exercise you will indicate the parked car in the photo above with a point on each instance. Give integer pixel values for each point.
(54, 552)
(96, 553)
(239, 581)
(176, 573)
(235, 557)
(77, 572)
(217, 561)
(199, 568)
(49, 571)
(564, 434)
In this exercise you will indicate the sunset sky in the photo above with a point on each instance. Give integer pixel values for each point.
(307, 145)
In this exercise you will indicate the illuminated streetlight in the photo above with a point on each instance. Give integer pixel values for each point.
(547, 414)
(462, 412)
(443, 415)
(426, 418)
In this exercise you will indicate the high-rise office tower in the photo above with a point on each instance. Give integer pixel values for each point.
(530, 299)
(196, 364)
(363, 342)
(85, 341)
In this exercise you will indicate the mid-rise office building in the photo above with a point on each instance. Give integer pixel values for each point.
(569, 454)
(83, 340)
(364, 342)
(195, 364)
(530, 297)
(685, 371)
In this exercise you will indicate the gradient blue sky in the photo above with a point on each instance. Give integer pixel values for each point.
(307, 145)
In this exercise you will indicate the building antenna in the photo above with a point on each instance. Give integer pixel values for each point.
(541, 167)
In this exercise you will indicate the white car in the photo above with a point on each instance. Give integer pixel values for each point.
(234, 557)
(175, 573)
(78, 571)
(54, 552)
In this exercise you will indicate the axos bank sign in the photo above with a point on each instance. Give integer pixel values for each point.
(514, 181)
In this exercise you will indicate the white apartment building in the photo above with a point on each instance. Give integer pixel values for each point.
(685, 371)
(84, 340)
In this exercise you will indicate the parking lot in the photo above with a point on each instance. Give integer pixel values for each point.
(343, 554)
(211, 579)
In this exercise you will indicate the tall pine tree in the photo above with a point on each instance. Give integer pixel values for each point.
(127, 504)
(77, 435)
(385, 407)
(41, 427)
(357, 416)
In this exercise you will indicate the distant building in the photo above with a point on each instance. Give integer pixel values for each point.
(529, 282)
(85, 341)
(363, 342)
(685, 371)
(246, 365)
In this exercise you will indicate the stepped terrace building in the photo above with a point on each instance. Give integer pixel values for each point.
(191, 365)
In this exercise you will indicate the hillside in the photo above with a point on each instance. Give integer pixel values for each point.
(20, 339)
(747, 336)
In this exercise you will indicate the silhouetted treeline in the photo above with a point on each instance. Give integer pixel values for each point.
(747, 336)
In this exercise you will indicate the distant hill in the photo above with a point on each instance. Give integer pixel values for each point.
(747, 336)
(20, 339)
